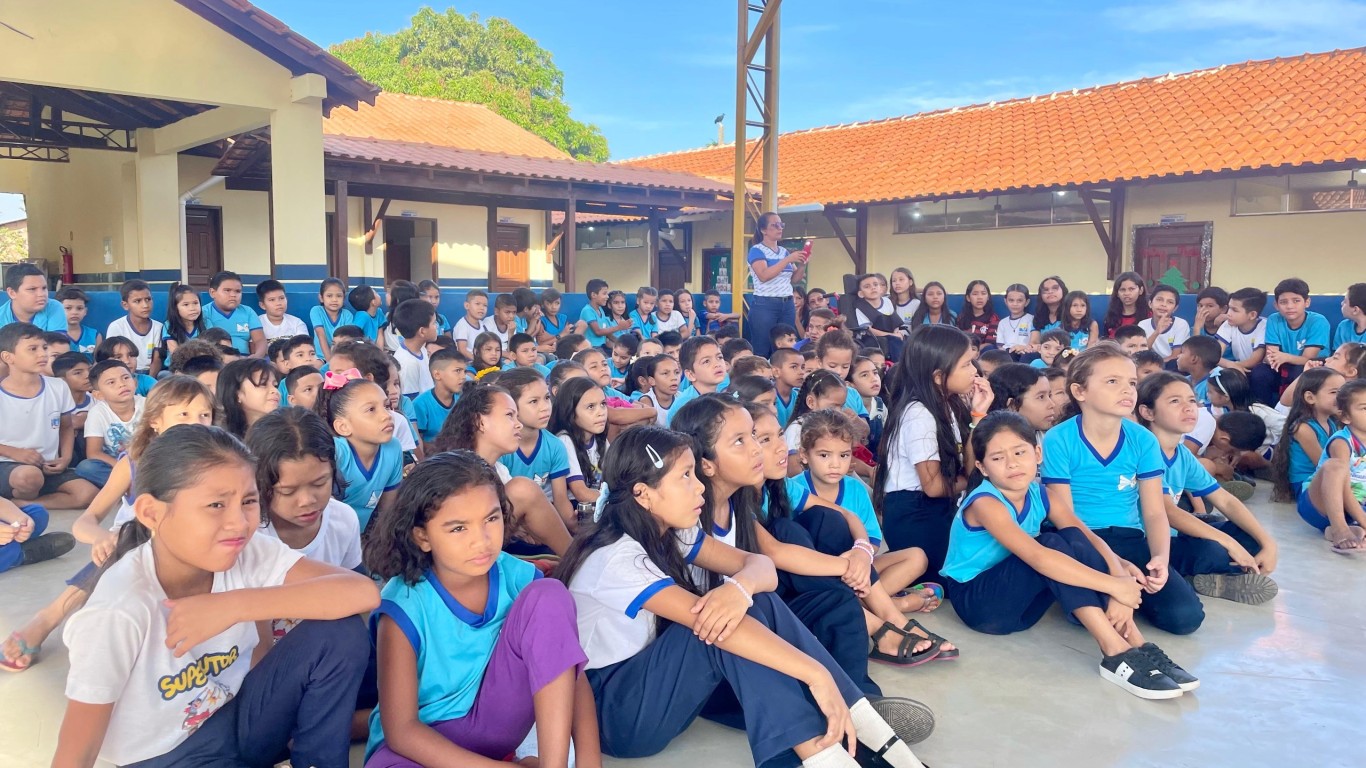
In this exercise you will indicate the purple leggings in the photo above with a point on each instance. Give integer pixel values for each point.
(538, 642)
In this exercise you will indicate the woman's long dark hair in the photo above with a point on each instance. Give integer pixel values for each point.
(230, 380)
(1115, 309)
(701, 421)
(773, 498)
(931, 349)
(1311, 380)
(1070, 325)
(966, 317)
(178, 458)
(626, 464)
(562, 413)
(1042, 316)
(946, 315)
(764, 219)
(285, 435)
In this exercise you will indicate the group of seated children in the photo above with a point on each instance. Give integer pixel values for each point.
(707, 516)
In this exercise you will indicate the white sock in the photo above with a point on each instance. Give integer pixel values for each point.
(873, 732)
(833, 756)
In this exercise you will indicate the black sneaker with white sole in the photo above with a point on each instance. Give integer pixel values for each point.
(46, 547)
(1181, 677)
(1136, 672)
(1247, 588)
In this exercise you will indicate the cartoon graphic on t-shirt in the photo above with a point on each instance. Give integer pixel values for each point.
(209, 701)
(116, 440)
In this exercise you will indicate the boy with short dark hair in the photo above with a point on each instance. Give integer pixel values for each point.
(751, 365)
(76, 305)
(1166, 332)
(415, 321)
(736, 347)
(126, 352)
(302, 386)
(782, 335)
(365, 312)
(788, 376)
(671, 341)
(469, 326)
(703, 366)
(1294, 335)
(433, 406)
(226, 312)
(347, 333)
(204, 369)
(276, 322)
(293, 352)
(58, 343)
(36, 435)
(74, 369)
(1147, 362)
(1353, 325)
(1211, 311)
(989, 361)
(811, 362)
(1198, 356)
(28, 300)
(522, 354)
(818, 322)
(570, 345)
(593, 321)
(1131, 338)
(109, 425)
(503, 322)
(1243, 334)
(714, 318)
(135, 296)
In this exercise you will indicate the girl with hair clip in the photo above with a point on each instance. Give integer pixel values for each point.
(1108, 469)
(369, 459)
(934, 307)
(903, 294)
(174, 400)
(1230, 391)
(978, 317)
(1077, 323)
(1027, 391)
(647, 627)
(662, 376)
(1228, 560)
(579, 421)
(485, 420)
(924, 462)
(1128, 304)
(1048, 309)
(448, 585)
(759, 390)
(247, 391)
(1312, 418)
(1003, 571)
(161, 655)
(184, 318)
(487, 353)
(539, 457)
(822, 389)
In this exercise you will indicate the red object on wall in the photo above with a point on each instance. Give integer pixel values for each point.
(68, 266)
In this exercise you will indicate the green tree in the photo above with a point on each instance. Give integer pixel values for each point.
(460, 58)
(13, 245)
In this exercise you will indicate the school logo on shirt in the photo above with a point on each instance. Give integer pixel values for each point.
(244, 328)
(196, 674)
(1127, 481)
(540, 479)
(374, 500)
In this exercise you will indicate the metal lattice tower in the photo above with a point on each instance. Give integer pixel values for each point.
(756, 87)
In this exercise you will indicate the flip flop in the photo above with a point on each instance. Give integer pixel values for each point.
(905, 655)
(24, 650)
(943, 655)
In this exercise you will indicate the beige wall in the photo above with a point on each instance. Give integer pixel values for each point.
(77, 205)
(245, 216)
(462, 239)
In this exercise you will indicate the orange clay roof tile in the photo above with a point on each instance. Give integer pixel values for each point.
(418, 120)
(1255, 115)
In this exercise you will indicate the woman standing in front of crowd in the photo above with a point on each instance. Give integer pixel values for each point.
(775, 269)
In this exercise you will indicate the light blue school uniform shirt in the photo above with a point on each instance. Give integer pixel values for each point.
(616, 372)
(364, 485)
(853, 496)
(145, 384)
(444, 326)
(369, 324)
(546, 462)
(972, 549)
(86, 342)
(431, 414)
(596, 320)
(1080, 339)
(318, 318)
(537, 367)
(1356, 460)
(1037, 363)
(1185, 474)
(239, 324)
(683, 398)
(854, 402)
(553, 325)
(1347, 332)
(1313, 332)
(1104, 488)
(50, 318)
(1301, 468)
(645, 326)
(785, 409)
(1201, 388)
(452, 643)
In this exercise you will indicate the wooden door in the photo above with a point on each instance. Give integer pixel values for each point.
(1177, 255)
(398, 249)
(511, 266)
(674, 269)
(203, 244)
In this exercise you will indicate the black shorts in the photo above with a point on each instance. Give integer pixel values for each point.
(51, 483)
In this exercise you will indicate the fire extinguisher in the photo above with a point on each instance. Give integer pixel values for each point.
(68, 266)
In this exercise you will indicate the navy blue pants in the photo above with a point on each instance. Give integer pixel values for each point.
(1192, 556)
(646, 701)
(1011, 596)
(764, 313)
(1175, 608)
(301, 690)
(912, 519)
(1266, 385)
(12, 554)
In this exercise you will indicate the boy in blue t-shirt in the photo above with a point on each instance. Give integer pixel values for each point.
(433, 406)
(1353, 325)
(522, 354)
(226, 312)
(26, 286)
(1294, 335)
(365, 312)
(643, 321)
(76, 304)
(593, 322)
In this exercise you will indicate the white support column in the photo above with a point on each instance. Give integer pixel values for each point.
(158, 212)
(296, 158)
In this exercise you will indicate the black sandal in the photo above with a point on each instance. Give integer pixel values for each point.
(905, 651)
(943, 655)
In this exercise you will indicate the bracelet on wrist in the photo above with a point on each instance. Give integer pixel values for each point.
(745, 592)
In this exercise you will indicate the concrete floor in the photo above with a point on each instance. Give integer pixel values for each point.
(1282, 683)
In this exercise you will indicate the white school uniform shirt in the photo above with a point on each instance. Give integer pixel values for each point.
(884, 307)
(491, 326)
(673, 322)
(117, 433)
(576, 472)
(403, 431)
(289, 327)
(463, 331)
(145, 342)
(336, 543)
(1014, 331)
(917, 440)
(35, 422)
(414, 372)
(1166, 343)
(1242, 345)
(610, 590)
(907, 311)
(1205, 425)
(118, 652)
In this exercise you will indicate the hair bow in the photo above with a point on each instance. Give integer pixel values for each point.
(339, 379)
(1217, 381)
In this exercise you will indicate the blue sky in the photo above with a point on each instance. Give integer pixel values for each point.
(653, 75)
